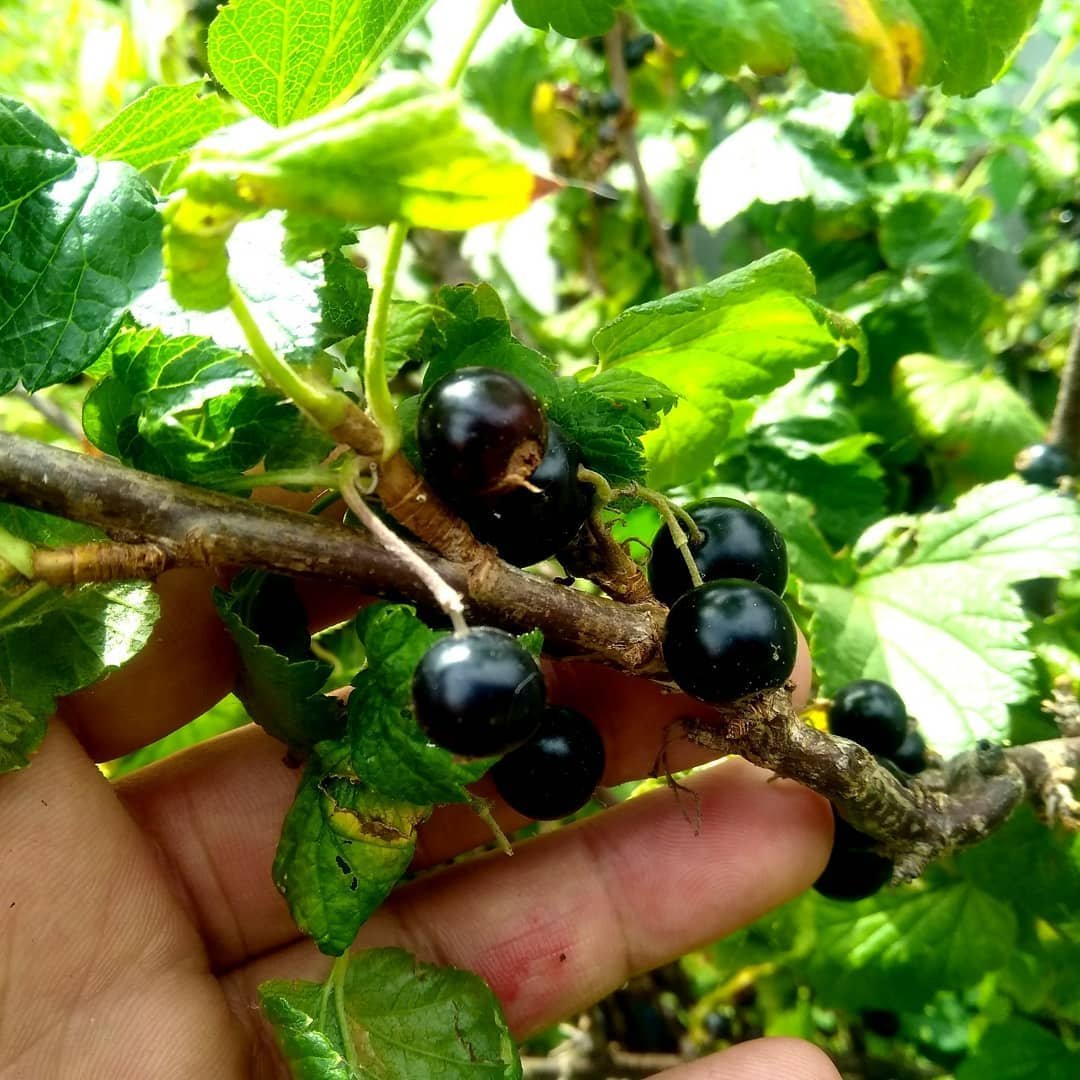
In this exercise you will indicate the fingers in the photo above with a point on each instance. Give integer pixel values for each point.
(95, 950)
(573, 914)
(761, 1059)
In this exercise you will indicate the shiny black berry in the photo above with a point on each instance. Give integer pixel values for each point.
(478, 693)
(737, 542)
(556, 772)
(870, 713)
(853, 871)
(601, 105)
(1043, 464)
(479, 431)
(911, 754)
(528, 526)
(727, 639)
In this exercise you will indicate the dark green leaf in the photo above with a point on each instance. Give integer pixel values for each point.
(1019, 1049)
(281, 689)
(924, 227)
(344, 298)
(185, 408)
(79, 240)
(896, 950)
(343, 848)
(896, 47)
(571, 18)
(469, 326)
(404, 1020)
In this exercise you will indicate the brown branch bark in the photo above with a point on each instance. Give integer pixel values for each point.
(196, 527)
(158, 522)
(666, 263)
(1065, 425)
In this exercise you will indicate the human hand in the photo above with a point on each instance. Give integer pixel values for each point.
(139, 917)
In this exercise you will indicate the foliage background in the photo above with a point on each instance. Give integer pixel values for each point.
(947, 229)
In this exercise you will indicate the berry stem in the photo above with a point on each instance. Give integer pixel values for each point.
(604, 491)
(327, 408)
(308, 479)
(482, 809)
(23, 599)
(338, 974)
(1065, 425)
(488, 11)
(448, 599)
(674, 518)
(379, 402)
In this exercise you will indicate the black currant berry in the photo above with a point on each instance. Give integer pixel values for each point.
(528, 526)
(479, 431)
(1043, 464)
(478, 693)
(556, 772)
(601, 105)
(911, 754)
(881, 1022)
(737, 542)
(637, 48)
(870, 713)
(727, 639)
(853, 871)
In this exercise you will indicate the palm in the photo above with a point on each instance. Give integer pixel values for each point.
(139, 918)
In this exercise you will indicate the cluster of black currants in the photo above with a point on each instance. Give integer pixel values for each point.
(490, 452)
(732, 635)
(479, 693)
(874, 715)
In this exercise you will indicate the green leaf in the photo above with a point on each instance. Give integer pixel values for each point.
(925, 227)
(810, 557)
(842, 45)
(278, 681)
(163, 123)
(185, 408)
(79, 240)
(287, 61)
(1031, 866)
(503, 83)
(743, 334)
(344, 297)
(1020, 1049)
(403, 1020)
(343, 848)
(775, 161)
(969, 418)
(401, 151)
(21, 732)
(385, 744)
(898, 949)
(61, 640)
(469, 326)
(606, 416)
(571, 18)
(933, 611)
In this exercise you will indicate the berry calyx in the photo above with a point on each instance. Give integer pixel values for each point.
(480, 431)
(478, 693)
(853, 871)
(870, 713)
(526, 525)
(727, 639)
(555, 773)
(911, 754)
(1043, 464)
(737, 542)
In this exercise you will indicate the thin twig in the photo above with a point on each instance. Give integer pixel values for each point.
(1065, 425)
(666, 263)
(448, 598)
(52, 412)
